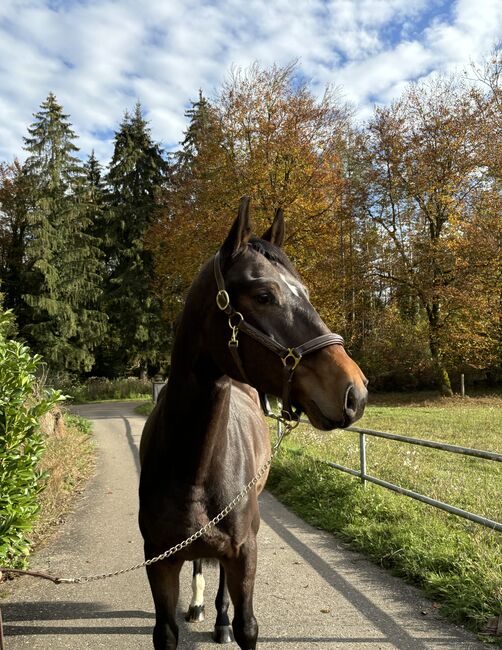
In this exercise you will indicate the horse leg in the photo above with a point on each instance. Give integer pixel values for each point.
(241, 572)
(164, 580)
(221, 632)
(196, 610)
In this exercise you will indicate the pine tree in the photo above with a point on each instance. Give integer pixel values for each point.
(97, 202)
(202, 123)
(63, 266)
(137, 336)
(199, 191)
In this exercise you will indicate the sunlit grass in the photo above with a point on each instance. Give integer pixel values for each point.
(457, 562)
(68, 462)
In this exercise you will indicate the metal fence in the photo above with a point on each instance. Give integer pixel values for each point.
(365, 477)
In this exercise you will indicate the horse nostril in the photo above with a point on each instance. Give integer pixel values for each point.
(350, 401)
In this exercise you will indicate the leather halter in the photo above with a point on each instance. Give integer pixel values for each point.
(290, 357)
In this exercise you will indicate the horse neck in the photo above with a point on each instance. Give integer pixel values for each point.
(197, 395)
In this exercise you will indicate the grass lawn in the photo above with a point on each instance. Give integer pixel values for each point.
(457, 562)
(144, 409)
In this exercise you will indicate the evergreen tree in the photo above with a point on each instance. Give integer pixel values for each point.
(199, 164)
(63, 266)
(137, 335)
(202, 126)
(97, 202)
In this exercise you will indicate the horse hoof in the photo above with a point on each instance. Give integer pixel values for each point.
(222, 634)
(195, 614)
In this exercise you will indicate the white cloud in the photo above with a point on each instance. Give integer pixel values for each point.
(99, 56)
(474, 30)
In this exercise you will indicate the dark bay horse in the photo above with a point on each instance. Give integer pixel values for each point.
(207, 437)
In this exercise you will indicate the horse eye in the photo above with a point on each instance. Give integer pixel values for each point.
(264, 298)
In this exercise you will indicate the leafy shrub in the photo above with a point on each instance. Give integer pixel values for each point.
(22, 403)
(100, 388)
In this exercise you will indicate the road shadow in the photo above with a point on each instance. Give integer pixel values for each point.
(21, 619)
(392, 631)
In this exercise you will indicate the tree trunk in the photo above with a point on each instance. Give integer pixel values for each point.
(442, 377)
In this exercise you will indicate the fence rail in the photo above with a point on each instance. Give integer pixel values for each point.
(365, 477)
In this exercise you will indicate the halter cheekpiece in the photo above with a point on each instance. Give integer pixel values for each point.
(290, 357)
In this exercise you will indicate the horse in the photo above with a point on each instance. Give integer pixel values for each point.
(247, 328)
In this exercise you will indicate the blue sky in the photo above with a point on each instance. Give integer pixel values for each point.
(100, 56)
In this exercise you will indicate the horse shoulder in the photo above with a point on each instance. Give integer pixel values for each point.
(247, 420)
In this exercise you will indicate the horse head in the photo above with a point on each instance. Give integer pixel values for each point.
(263, 330)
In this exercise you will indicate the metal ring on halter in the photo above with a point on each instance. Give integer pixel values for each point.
(239, 317)
(291, 355)
(222, 299)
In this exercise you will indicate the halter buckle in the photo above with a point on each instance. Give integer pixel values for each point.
(222, 299)
(291, 355)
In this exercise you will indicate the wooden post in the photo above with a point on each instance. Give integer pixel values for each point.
(462, 385)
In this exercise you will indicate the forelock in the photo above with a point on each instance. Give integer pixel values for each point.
(273, 253)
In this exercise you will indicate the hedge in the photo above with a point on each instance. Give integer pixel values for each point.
(22, 403)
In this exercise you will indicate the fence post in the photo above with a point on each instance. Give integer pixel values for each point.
(157, 386)
(362, 457)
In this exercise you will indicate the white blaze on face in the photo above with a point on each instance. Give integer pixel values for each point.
(292, 287)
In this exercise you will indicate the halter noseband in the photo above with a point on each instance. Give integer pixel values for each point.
(290, 357)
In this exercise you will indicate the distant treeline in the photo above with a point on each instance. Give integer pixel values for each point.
(394, 225)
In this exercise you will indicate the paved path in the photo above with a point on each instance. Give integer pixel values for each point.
(311, 592)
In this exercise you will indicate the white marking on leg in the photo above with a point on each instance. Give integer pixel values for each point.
(198, 586)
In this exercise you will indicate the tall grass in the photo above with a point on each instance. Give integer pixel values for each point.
(456, 562)
(67, 464)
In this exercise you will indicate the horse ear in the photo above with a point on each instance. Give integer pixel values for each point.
(240, 232)
(275, 234)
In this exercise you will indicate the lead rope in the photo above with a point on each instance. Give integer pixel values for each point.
(284, 428)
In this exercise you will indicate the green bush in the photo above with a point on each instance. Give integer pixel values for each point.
(22, 403)
(101, 388)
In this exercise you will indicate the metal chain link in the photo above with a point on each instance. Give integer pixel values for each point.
(284, 428)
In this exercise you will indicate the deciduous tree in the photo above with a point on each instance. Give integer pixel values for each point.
(13, 226)
(427, 176)
(266, 135)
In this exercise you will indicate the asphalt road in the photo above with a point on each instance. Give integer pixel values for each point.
(311, 592)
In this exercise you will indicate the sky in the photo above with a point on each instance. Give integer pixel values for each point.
(100, 57)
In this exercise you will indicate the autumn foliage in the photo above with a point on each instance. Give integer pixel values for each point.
(394, 225)
(271, 139)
